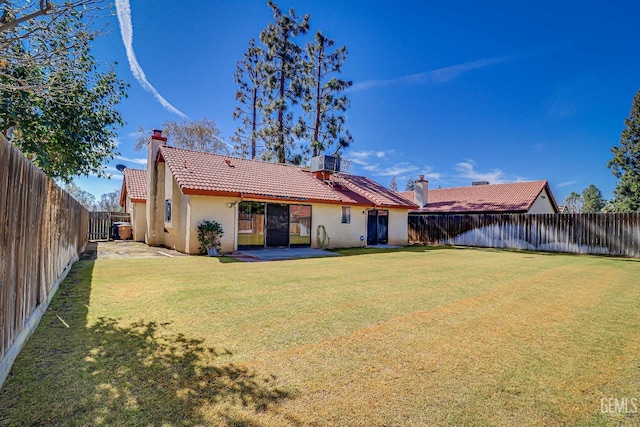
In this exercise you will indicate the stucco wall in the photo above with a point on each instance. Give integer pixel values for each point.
(200, 208)
(189, 210)
(398, 227)
(542, 205)
(348, 235)
(340, 235)
(173, 236)
(138, 213)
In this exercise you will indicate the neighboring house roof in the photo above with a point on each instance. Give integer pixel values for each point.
(217, 175)
(516, 197)
(409, 195)
(134, 186)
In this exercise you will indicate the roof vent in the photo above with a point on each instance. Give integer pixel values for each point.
(480, 183)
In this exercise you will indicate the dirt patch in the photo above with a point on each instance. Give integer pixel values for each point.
(120, 249)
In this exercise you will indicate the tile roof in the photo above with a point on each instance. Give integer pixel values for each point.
(370, 190)
(214, 174)
(516, 197)
(135, 184)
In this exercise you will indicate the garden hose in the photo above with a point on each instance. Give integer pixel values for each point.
(322, 237)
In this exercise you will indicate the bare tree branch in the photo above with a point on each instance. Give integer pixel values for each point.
(45, 6)
(27, 35)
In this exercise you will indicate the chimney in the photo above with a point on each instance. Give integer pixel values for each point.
(154, 143)
(475, 183)
(421, 192)
(154, 223)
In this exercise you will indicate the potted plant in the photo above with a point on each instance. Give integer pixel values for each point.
(209, 234)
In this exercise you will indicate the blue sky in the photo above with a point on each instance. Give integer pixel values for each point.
(458, 91)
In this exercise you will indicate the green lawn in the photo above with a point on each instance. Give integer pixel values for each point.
(420, 336)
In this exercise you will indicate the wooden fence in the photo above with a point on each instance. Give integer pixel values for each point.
(42, 232)
(101, 224)
(608, 234)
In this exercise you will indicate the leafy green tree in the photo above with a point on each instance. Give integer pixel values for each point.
(592, 200)
(61, 113)
(574, 202)
(323, 100)
(250, 78)
(625, 164)
(283, 86)
(199, 135)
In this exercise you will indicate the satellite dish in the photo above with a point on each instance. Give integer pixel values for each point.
(121, 168)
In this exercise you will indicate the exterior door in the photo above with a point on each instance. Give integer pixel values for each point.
(377, 227)
(372, 228)
(277, 225)
(383, 226)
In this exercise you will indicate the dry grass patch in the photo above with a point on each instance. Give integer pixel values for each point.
(412, 337)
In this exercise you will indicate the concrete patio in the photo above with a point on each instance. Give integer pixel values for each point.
(278, 254)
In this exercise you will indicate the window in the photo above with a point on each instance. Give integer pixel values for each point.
(167, 210)
(251, 221)
(299, 225)
(346, 215)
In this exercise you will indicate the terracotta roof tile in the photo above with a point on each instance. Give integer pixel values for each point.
(513, 197)
(371, 190)
(409, 195)
(214, 174)
(135, 184)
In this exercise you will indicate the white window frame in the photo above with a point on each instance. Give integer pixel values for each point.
(167, 210)
(346, 215)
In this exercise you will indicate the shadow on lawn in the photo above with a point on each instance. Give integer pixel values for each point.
(158, 378)
(416, 248)
(109, 373)
(369, 250)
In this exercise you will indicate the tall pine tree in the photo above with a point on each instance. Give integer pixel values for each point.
(625, 164)
(277, 76)
(323, 103)
(283, 86)
(411, 185)
(250, 78)
(393, 184)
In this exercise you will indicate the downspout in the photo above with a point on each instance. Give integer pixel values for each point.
(235, 226)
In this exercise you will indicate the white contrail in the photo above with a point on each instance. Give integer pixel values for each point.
(123, 10)
(441, 75)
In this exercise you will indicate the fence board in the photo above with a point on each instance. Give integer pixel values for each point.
(42, 231)
(608, 234)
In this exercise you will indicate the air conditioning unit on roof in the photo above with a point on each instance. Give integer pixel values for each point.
(325, 164)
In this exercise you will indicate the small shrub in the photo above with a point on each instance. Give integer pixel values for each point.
(210, 235)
